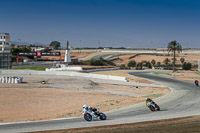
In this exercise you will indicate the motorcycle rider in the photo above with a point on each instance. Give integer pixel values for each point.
(149, 100)
(86, 108)
(196, 82)
(157, 108)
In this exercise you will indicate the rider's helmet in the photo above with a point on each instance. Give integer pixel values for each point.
(147, 98)
(85, 106)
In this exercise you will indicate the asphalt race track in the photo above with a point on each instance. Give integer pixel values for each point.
(183, 101)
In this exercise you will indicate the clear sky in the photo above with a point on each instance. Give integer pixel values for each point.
(93, 23)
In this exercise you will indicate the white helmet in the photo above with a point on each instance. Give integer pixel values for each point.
(85, 106)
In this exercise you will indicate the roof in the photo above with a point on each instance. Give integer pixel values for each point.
(4, 34)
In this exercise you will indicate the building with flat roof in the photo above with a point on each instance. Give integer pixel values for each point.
(5, 55)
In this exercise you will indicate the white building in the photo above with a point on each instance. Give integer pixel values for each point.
(5, 56)
(5, 42)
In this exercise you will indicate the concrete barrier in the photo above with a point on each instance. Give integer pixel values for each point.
(66, 73)
(89, 75)
(103, 69)
(65, 68)
(11, 80)
(86, 75)
(3, 80)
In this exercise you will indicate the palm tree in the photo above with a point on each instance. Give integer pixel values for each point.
(174, 46)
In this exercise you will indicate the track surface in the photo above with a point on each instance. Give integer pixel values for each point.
(183, 101)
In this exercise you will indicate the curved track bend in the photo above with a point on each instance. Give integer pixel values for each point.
(183, 101)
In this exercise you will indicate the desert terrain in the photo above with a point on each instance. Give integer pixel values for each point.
(63, 97)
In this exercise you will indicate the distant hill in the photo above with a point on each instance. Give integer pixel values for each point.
(26, 43)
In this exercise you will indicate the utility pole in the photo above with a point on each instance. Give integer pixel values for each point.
(80, 46)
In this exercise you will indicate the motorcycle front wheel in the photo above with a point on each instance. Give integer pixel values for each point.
(88, 117)
(102, 116)
(152, 108)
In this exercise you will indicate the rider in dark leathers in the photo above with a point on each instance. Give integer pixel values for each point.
(149, 100)
(196, 82)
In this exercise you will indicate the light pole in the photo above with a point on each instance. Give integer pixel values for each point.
(80, 46)
(99, 42)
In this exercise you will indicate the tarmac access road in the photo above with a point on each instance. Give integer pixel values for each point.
(182, 101)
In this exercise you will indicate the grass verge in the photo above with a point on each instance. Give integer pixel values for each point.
(154, 95)
(158, 73)
(198, 73)
(31, 68)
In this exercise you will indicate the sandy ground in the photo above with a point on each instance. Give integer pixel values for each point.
(64, 97)
(123, 59)
(192, 58)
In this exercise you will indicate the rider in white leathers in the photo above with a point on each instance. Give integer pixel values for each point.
(86, 108)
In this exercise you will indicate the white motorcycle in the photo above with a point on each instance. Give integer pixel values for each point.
(90, 115)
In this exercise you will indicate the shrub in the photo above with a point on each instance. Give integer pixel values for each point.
(187, 66)
(96, 63)
(147, 64)
(132, 63)
(182, 60)
(122, 65)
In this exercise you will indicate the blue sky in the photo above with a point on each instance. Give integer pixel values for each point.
(115, 23)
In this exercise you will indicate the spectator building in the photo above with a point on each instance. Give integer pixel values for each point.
(5, 55)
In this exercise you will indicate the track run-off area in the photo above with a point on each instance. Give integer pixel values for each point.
(181, 102)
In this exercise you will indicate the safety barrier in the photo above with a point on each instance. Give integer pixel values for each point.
(65, 68)
(103, 69)
(65, 73)
(12, 80)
